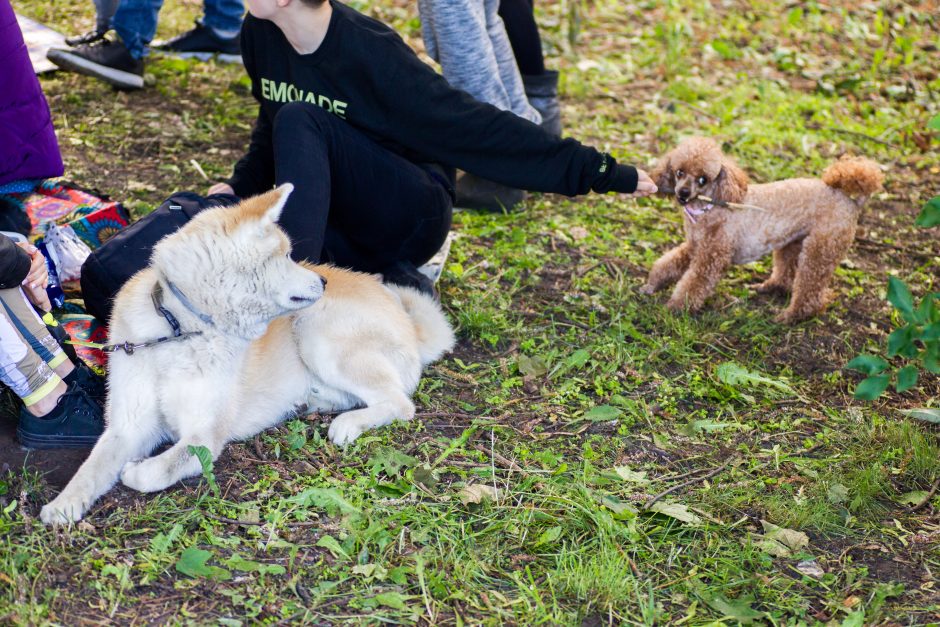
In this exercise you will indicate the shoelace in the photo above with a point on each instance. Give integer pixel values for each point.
(85, 406)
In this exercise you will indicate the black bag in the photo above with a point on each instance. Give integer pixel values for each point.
(109, 267)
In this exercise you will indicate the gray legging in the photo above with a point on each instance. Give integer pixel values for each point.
(468, 39)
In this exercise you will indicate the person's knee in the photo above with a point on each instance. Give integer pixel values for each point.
(297, 115)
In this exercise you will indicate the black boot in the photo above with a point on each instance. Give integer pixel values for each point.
(542, 93)
(474, 192)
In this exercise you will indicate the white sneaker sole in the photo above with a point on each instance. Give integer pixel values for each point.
(435, 266)
(119, 78)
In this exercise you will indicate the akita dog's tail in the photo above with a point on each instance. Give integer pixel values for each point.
(435, 336)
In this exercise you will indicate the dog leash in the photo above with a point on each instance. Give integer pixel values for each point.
(178, 333)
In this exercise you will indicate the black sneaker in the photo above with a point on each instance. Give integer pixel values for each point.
(90, 381)
(202, 43)
(106, 59)
(407, 274)
(76, 422)
(86, 38)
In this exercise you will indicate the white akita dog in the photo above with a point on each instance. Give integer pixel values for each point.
(229, 337)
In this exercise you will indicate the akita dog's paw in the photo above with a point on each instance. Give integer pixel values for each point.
(63, 510)
(139, 475)
(344, 430)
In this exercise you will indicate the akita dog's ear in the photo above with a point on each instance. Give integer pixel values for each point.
(280, 195)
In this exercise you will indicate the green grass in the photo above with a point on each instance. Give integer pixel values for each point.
(519, 494)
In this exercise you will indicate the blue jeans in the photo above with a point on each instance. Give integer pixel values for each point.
(136, 21)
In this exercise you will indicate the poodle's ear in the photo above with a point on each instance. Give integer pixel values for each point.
(731, 183)
(662, 173)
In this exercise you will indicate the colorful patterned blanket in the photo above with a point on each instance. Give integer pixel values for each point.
(94, 220)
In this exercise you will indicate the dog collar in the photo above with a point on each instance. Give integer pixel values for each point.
(178, 333)
(186, 303)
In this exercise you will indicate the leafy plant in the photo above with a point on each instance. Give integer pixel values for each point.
(930, 215)
(205, 460)
(918, 341)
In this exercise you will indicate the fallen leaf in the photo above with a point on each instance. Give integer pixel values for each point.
(811, 568)
(632, 476)
(140, 186)
(86, 526)
(477, 493)
(838, 493)
(675, 510)
(793, 540)
(578, 233)
(912, 498)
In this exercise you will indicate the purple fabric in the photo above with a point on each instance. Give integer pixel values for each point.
(28, 146)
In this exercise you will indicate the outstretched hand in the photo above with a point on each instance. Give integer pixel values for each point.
(644, 186)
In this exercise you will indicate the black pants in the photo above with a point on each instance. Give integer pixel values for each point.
(523, 35)
(355, 204)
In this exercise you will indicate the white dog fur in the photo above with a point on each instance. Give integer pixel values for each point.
(276, 340)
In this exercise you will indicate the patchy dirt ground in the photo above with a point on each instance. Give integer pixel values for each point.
(576, 399)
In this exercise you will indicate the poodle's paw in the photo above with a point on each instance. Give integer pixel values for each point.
(648, 289)
(675, 305)
(771, 287)
(64, 509)
(790, 316)
(678, 305)
(344, 430)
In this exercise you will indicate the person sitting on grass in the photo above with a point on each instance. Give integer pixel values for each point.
(61, 400)
(370, 136)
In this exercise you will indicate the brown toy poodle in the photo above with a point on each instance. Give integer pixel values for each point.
(809, 225)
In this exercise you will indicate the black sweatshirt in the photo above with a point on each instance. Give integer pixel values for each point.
(14, 263)
(364, 73)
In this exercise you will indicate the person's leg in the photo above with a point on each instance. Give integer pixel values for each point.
(104, 11)
(354, 203)
(541, 85)
(119, 61)
(467, 38)
(30, 327)
(506, 62)
(136, 23)
(215, 34)
(224, 17)
(25, 372)
(57, 410)
(523, 32)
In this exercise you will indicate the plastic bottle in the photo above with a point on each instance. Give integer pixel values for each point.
(54, 288)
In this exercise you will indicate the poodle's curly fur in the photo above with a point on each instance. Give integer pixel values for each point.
(809, 225)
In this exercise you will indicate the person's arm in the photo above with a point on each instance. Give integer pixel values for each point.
(451, 127)
(15, 263)
(254, 172)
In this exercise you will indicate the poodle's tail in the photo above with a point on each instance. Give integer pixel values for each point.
(856, 177)
(435, 336)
